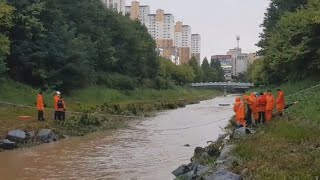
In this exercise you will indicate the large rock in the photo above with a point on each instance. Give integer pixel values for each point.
(183, 169)
(7, 144)
(201, 170)
(31, 134)
(46, 135)
(189, 176)
(223, 175)
(198, 151)
(239, 133)
(16, 135)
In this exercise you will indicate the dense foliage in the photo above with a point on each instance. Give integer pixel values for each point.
(212, 72)
(290, 42)
(77, 43)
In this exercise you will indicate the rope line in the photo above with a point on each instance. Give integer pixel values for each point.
(303, 90)
(72, 112)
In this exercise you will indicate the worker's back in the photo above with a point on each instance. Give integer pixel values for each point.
(262, 102)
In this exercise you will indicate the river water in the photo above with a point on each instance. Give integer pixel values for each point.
(149, 149)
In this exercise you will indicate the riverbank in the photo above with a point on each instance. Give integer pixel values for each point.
(287, 148)
(101, 108)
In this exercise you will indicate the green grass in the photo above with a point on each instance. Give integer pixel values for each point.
(86, 99)
(289, 147)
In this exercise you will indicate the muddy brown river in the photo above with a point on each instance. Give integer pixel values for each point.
(149, 149)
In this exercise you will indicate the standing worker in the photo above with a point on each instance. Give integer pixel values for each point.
(239, 109)
(280, 102)
(40, 106)
(61, 109)
(262, 102)
(254, 106)
(269, 106)
(55, 104)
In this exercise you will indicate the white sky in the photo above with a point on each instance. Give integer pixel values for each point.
(217, 21)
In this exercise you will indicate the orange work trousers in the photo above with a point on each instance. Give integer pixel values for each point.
(268, 116)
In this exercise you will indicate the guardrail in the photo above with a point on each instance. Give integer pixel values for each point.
(223, 84)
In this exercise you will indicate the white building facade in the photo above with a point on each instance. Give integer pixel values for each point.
(196, 46)
(117, 5)
(186, 36)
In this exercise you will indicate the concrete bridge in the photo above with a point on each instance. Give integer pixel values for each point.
(228, 86)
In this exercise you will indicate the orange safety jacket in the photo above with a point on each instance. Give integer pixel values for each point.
(40, 102)
(270, 103)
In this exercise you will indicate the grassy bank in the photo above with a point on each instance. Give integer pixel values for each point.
(288, 147)
(92, 100)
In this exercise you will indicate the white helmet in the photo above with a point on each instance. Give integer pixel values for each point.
(58, 92)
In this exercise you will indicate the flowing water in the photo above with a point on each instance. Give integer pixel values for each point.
(150, 149)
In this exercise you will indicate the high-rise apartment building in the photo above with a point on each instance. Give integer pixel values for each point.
(183, 42)
(161, 28)
(117, 5)
(196, 46)
(138, 12)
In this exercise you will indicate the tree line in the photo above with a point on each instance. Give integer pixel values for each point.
(289, 43)
(77, 43)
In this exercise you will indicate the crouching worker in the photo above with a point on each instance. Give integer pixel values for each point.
(239, 108)
(61, 109)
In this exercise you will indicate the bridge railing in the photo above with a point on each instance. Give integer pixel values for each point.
(246, 84)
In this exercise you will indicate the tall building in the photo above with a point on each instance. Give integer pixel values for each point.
(138, 12)
(183, 41)
(226, 65)
(196, 46)
(240, 61)
(161, 28)
(117, 5)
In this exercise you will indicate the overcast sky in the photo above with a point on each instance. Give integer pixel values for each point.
(217, 21)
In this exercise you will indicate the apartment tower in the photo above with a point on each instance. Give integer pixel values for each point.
(196, 46)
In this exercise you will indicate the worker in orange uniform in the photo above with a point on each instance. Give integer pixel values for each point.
(55, 104)
(269, 106)
(254, 106)
(280, 102)
(61, 109)
(40, 106)
(239, 109)
(262, 102)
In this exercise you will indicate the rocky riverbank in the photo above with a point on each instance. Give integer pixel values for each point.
(18, 138)
(213, 162)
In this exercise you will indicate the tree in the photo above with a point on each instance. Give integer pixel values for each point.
(293, 52)
(6, 15)
(275, 11)
(184, 74)
(209, 74)
(76, 43)
(241, 77)
(216, 65)
(197, 69)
